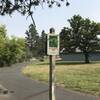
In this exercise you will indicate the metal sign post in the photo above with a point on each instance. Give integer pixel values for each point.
(52, 78)
(52, 51)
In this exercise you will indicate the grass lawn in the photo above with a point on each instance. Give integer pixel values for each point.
(74, 76)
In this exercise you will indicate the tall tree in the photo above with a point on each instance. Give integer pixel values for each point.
(32, 38)
(3, 40)
(42, 44)
(66, 43)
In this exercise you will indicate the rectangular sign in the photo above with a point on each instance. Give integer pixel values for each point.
(53, 44)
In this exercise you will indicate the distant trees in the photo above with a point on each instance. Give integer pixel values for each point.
(35, 44)
(32, 39)
(42, 43)
(82, 35)
(11, 50)
(15, 49)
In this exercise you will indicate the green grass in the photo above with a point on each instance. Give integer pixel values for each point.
(71, 75)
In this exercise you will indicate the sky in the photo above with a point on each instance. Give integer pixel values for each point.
(45, 17)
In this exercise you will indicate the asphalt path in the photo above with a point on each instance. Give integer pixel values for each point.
(21, 87)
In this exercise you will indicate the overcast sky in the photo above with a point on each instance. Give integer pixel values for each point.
(52, 17)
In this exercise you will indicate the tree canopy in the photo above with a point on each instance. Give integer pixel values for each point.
(32, 38)
(81, 35)
(35, 44)
(25, 6)
(11, 50)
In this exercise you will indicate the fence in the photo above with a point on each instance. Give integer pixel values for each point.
(79, 57)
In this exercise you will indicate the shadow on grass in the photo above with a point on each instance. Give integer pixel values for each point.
(43, 63)
(60, 62)
(69, 62)
(66, 63)
(75, 62)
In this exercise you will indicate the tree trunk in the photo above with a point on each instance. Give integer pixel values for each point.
(86, 54)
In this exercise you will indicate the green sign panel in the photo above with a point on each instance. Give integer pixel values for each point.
(53, 44)
(53, 41)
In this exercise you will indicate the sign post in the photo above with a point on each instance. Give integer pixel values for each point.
(52, 51)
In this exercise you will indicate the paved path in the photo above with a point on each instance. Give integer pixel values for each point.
(21, 87)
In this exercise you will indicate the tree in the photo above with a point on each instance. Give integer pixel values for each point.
(14, 51)
(32, 39)
(66, 43)
(25, 6)
(3, 39)
(42, 44)
(11, 50)
(3, 31)
(17, 50)
(83, 35)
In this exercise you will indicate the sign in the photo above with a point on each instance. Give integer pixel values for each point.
(53, 44)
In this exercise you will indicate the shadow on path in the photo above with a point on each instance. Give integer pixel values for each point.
(35, 94)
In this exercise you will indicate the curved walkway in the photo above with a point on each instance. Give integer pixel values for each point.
(21, 87)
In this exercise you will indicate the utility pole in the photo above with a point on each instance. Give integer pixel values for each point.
(52, 51)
